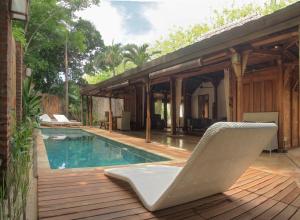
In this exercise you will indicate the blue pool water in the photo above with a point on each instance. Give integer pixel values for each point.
(75, 148)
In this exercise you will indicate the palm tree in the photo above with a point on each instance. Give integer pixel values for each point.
(113, 57)
(138, 54)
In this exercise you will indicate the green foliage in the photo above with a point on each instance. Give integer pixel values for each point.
(181, 37)
(31, 101)
(15, 183)
(112, 57)
(51, 23)
(106, 74)
(18, 33)
(138, 54)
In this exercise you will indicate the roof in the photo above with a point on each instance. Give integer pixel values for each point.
(226, 37)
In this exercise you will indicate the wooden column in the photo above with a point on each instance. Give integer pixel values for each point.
(148, 113)
(110, 117)
(91, 110)
(184, 94)
(215, 83)
(281, 108)
(87, 111)
(166, 109)
(81, 109)
(136, 106)
(173, 105)
(228, 95)
(299, 83)
(286, 99)
(239, 64)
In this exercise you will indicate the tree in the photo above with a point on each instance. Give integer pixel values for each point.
(181, 37)
(111, 57)
(45, 36)
(52, 32)
(138, 54)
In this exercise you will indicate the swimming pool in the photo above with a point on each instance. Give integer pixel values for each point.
(75, 148)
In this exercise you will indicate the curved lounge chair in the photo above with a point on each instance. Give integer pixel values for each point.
(222, 155)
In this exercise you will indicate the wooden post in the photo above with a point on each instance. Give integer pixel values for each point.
(184, 94)
(110, 122)
(281, 107)
(215, 83)
(239, 64)
(286, 125)
(173, 105)
(299, 83)
(91, 111)
(81, 109)
(228, 94)
(87, 111)
(166, 109)
(148, 117)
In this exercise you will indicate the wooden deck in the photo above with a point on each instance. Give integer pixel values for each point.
(89, 194)
(92, 195)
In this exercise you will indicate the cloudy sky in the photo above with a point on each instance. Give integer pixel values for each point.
(139, 21)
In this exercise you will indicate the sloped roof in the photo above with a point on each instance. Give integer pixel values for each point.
(233, 34)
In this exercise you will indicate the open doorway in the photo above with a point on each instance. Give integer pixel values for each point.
(203, 106)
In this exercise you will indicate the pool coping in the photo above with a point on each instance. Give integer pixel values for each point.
(44, 165)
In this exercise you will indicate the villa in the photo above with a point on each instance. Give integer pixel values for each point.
(251, 66)
(176, 138)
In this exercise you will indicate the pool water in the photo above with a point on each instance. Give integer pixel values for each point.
(75, 148)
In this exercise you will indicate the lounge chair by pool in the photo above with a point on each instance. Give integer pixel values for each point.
(222, 155)
(60, 120)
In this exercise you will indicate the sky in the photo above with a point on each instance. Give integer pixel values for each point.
(145, 21)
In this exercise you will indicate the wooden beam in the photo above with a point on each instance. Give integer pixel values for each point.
(110, 117)
(267, 53)
(148, 112)
(160, 80)
(206, 69)
(173, 105)
(175, 69)
(275, 39)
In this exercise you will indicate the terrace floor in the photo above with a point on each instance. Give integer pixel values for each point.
(267, 190)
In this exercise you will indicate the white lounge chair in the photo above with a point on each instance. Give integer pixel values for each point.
(222, 155)
(60, 120)
(45, 118)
